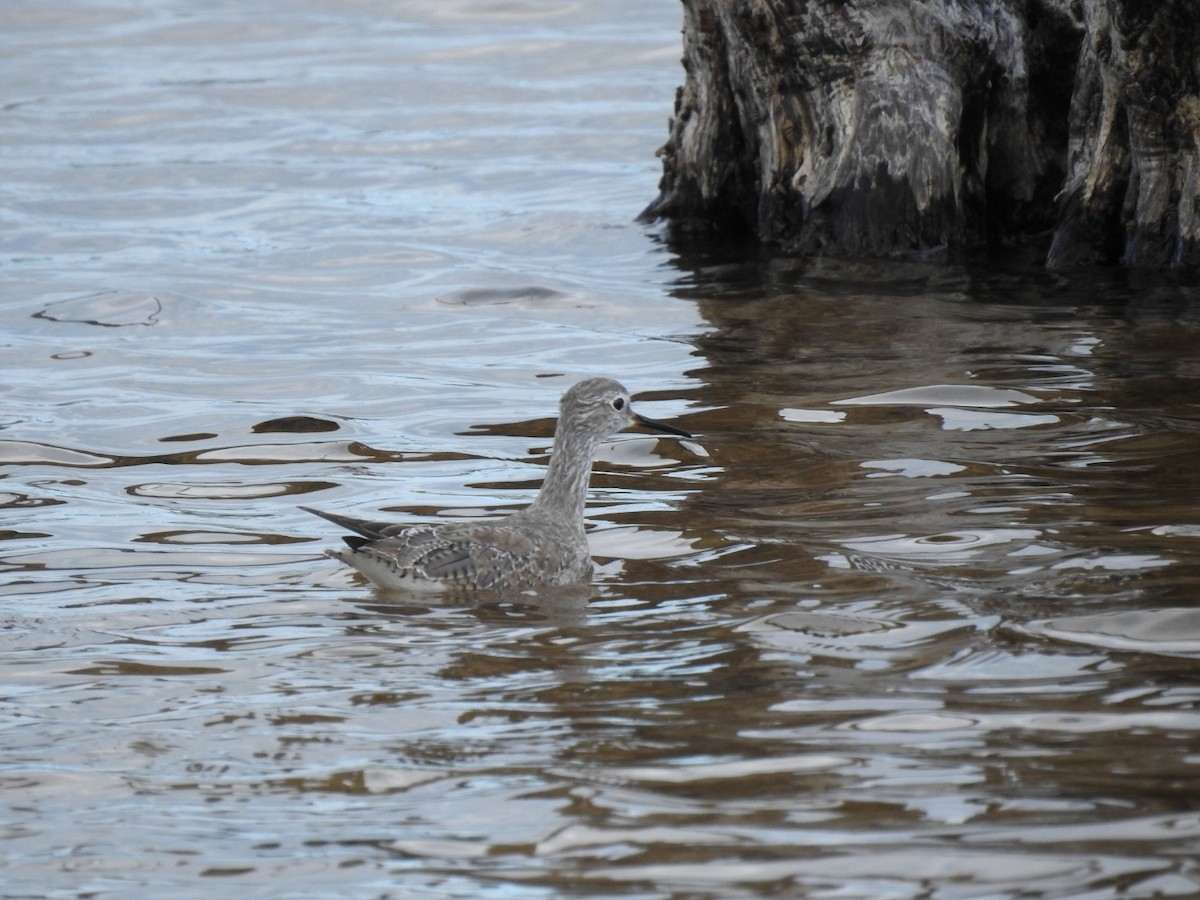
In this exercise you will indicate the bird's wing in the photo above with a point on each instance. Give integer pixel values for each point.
(480, 556)
(477, 555)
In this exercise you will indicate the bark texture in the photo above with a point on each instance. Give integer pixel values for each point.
(1133, 187)
(877, 128)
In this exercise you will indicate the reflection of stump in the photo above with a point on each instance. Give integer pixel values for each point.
(865, 127)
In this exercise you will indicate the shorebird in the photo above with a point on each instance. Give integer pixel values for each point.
(543, 544)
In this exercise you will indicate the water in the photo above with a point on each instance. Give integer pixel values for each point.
(916, 618)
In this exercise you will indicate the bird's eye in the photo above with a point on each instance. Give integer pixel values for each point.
(619, 403)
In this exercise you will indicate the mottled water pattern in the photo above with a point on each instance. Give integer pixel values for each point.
(915, 616)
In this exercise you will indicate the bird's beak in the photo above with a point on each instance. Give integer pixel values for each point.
(660, 426)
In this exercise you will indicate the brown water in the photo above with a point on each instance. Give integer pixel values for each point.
(916, 616)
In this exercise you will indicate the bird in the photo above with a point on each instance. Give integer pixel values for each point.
(542, 544)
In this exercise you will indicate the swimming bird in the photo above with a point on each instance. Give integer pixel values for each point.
(541, 544)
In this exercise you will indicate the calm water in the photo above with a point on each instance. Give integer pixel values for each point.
(915, 617)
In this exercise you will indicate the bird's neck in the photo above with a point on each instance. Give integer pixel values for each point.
(564, 491)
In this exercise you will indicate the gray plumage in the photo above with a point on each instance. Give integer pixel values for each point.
(541, 544)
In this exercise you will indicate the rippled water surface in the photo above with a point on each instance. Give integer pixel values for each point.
(916, 615)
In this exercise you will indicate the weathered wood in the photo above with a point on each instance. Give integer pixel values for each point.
(1133, 189)
(867, 127)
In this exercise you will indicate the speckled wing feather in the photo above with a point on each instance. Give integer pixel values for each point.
(478, 556)
(484, 556)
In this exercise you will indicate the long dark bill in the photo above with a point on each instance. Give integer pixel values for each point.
(661, 426)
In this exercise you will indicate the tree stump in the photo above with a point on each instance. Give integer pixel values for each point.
(875, 128)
